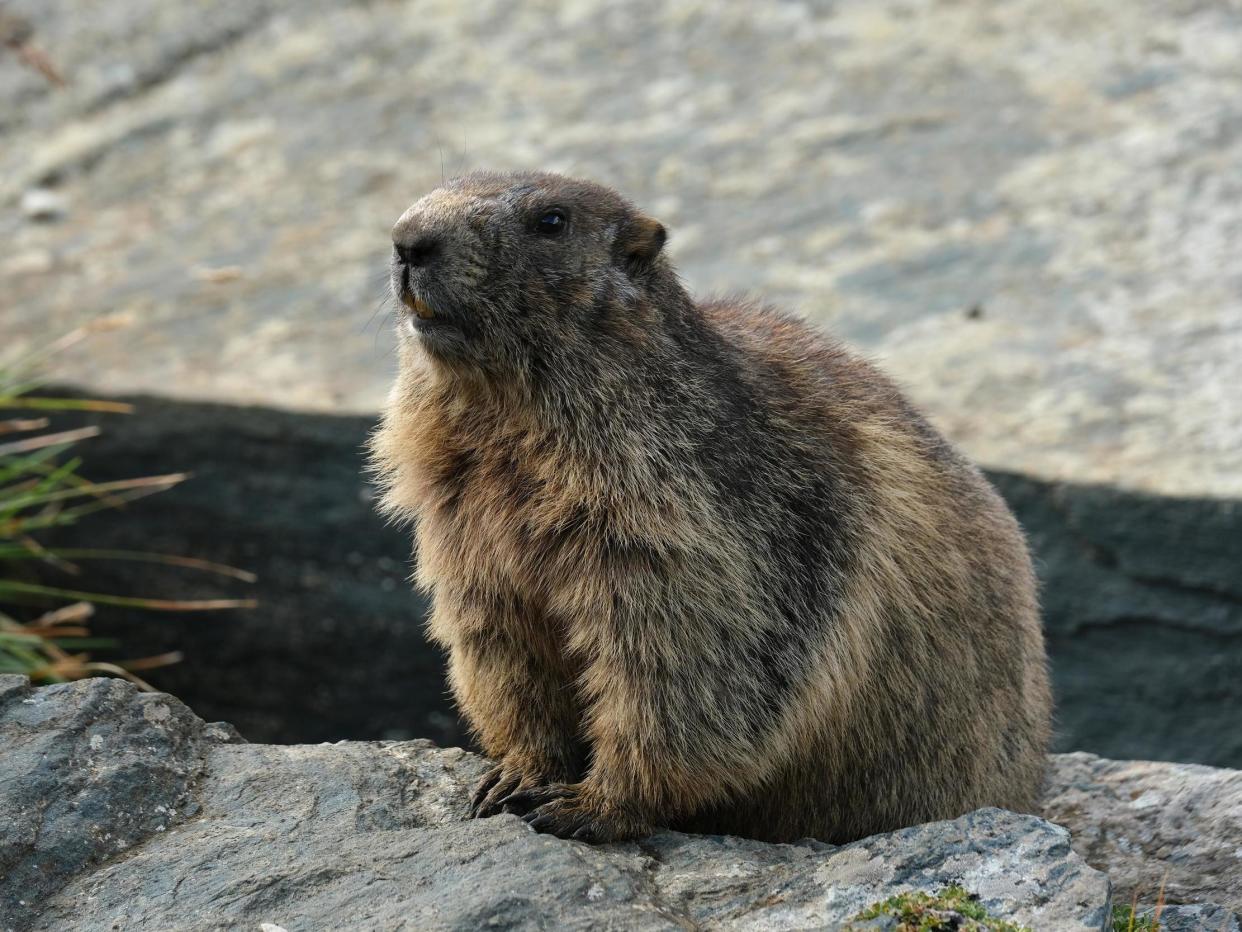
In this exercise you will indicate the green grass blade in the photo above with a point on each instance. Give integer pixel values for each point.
(42, 403)
(12, 587)
(39, 497)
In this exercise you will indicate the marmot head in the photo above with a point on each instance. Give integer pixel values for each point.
(499, 273)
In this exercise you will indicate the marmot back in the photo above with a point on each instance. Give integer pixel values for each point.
(694, 565)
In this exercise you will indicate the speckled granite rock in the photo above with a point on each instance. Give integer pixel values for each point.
(374, 836)
(87, 772)
(1208, 918)
(1030, 211)
(1143, 821)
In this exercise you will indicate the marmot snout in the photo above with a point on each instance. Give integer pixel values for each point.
(694, 565)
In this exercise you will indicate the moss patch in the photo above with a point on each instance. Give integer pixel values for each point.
(953, 909)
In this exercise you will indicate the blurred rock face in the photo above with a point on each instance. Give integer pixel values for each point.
(1031, 212)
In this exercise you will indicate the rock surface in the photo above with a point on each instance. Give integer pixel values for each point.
(87, 772)
(1209, 918)
(1030, 211)
(1151, 824)
(1142, 598)
(122, 810)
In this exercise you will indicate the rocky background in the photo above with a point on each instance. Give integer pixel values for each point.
(1030, 213)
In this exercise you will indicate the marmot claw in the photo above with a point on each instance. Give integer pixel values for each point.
(496, 789)
(567, 813)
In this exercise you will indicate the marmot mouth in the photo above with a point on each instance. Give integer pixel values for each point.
(420, 307)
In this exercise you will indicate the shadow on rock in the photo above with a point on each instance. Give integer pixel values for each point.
(1142, 594)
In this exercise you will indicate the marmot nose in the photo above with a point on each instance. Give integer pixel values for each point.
(417, 250)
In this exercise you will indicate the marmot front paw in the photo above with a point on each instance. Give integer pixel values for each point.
(567, 812)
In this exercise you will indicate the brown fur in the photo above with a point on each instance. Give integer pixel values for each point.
(693, 564)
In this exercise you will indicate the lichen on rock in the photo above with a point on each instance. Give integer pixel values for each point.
(951, 909)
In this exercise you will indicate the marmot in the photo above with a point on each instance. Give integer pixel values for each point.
(695, 566)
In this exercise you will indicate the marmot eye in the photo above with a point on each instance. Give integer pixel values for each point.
(551, 223)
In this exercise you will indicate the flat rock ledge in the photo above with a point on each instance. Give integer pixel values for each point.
(123, 810)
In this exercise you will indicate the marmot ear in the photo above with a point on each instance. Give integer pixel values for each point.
(640, 242)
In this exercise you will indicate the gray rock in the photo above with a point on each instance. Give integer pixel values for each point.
(87, 771)
(1206, 918)
(130, 813)
(1142, 606)
(1149, 824)
(1029, 211)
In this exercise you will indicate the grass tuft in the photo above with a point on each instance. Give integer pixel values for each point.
(1130, 919)
(44, 629)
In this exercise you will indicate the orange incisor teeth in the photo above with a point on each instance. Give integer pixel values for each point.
(420, 308)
